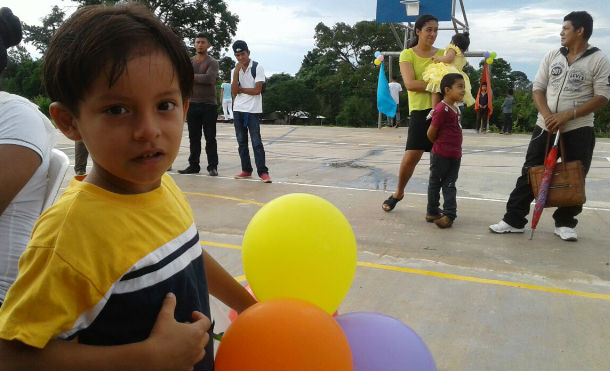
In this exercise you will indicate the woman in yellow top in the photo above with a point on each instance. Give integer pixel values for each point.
(413, 62)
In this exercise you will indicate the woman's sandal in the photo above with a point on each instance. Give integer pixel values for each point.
(391, 202)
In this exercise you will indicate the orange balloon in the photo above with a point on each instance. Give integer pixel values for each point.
(284, 334)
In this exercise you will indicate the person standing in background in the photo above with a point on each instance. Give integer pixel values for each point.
(507, 110)
(203, 109)
(395, 89)
(227, 99)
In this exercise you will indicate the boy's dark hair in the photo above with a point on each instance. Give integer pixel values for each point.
(419, 24)
(448, 80)
(203, 35)
(10, 34)
(99, 41)
(461, 40)
(510, 91)
(581, 19)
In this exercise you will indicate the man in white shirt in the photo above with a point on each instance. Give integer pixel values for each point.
(246, 87)
(395, 89)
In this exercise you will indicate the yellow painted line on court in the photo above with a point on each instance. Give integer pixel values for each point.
(218, 244)
(450, 276)
(225, 198)
(487, 281)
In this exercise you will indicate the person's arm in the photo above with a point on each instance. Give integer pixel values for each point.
(408, 77)
(170, 346)
(447, 58)
(432, 133)
(235, 81)
(554, 121)
(256, 90)
(211, 75)
(224, 287)
(18, 165)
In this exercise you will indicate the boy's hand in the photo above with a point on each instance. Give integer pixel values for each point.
(174, 345)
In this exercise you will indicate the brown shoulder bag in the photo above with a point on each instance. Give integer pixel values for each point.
(567, 184)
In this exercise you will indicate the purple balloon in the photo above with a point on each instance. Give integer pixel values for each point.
(486, 55)
(383, 343)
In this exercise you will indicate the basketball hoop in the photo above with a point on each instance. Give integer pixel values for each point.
(412, 7)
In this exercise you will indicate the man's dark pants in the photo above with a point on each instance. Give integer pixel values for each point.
(202, 116)
(245, 122)
(508, 122)
(579, 145)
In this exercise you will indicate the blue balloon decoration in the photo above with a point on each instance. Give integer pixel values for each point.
(486, 55)
(377, 54)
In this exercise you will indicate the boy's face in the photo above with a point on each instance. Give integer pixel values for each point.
(132, 129)
(243, 58)
(457, 91)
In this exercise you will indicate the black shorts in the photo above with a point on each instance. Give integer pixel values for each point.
(417, 136)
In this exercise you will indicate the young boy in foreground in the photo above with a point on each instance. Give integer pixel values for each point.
(114, 276)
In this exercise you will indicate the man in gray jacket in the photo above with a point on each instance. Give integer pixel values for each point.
(570, 85)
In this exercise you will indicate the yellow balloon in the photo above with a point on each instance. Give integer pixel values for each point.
(300, 246)
(377, 62)
(490, 60)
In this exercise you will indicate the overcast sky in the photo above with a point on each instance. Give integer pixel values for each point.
(280, 32)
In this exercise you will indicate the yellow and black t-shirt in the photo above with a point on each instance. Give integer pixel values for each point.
(99, 265)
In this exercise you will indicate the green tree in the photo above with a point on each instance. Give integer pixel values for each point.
(340, 67)
(22, 75)
(40, 36)
(288, 95)
(189, 17)
(225, 66)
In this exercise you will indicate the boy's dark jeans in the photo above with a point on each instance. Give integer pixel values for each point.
(245, 122)
(579, 145)
(202, 116)
(443, 174)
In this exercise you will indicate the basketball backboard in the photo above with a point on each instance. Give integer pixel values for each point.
(394, 11)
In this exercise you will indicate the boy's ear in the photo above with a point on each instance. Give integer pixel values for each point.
(186, 108)
(65, 120)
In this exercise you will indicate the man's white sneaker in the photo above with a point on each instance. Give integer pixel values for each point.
(504, 227)
(566, 233)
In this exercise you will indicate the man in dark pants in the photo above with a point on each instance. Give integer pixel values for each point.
(507, 111)
(246, 87)
(202, 111)
(572, 82)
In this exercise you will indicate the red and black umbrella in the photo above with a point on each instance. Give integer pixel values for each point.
(543, 191)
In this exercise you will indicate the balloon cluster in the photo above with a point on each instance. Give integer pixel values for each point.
(489, 57)
(378, 58)
(299, 257)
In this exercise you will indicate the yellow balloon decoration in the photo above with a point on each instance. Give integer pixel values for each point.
(377, 62)
(300, 246)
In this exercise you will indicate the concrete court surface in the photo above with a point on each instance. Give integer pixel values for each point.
(480, 301)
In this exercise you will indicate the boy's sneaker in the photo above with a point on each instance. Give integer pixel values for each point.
(243, 175)
(504, 227)
(444, 222)
(432, 218)
(566, 233)
(213, 172)
(265, 178)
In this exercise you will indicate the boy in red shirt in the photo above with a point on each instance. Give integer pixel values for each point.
(446, 134)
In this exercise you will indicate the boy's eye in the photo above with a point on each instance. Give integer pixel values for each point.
(166, 106)
(116, 110)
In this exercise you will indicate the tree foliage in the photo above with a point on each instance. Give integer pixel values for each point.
(189, 17)
(40, 36)
(288, 96)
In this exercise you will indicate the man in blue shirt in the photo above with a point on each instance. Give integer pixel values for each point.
(227, 99)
